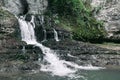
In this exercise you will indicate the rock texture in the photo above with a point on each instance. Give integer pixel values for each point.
(37, 6)
(9, 31)
(24, 6)
(14, 6)
(85, 53)
(109, 12)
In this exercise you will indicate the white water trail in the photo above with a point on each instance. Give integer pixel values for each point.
(55, 65)
(23, 49)
(56, 35)
(32, 21)
(27, 31)
(42, 20)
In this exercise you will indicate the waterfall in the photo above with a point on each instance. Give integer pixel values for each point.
(42, 20)
(32, 21)
(55, 35)
(23, 49)
(28, 35)
(54, 64)
(27, 31)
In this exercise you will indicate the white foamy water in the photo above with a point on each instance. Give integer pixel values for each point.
(27, 31)
(54, 64)
(32, 21)
(55, 35)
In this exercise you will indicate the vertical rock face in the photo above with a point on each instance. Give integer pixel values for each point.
(9, 31)
(37, 6)
(24, 6)
(8, 23)
(14, 6)
(20, 7)
(109, 12)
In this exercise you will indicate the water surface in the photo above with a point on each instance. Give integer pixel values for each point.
(80, 75)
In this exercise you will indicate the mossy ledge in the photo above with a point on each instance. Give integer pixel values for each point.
(77, 17)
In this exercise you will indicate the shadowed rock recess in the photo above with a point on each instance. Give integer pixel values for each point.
(25, 6)
(16, 56)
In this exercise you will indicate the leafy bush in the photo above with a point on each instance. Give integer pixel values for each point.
(79, 13)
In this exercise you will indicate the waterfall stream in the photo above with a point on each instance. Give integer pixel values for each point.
(54, 64)
(55, 35)
(32, 21)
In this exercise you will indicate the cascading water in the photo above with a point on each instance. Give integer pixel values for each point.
(54, 64)
(42, 20)
(27, 33)
(55, 35)
(32, 21)
(23, 49)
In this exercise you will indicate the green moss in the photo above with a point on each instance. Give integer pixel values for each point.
(19, 56)
(9, 20)
(5, 13)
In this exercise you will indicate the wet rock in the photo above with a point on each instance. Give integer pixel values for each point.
(9, 32)
(29, 66)
(85, 53)
(8, 23)
(37, 6)
(63, 34)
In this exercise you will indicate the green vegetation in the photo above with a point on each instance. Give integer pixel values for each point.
(109, 45)
(8, 20)
(77, 16)
(5, 13)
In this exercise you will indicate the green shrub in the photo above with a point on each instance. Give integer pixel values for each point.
(80, 15)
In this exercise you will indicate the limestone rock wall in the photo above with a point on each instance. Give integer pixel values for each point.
(24, 6)
(109, 12)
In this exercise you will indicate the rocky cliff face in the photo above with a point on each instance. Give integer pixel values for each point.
(9, 31)
(24, 6)
(109, 12)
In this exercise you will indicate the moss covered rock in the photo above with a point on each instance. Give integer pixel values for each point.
(8, 23)
(9, 32)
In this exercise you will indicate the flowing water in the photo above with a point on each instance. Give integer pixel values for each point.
(55, 35)
(52, 68)
(51, 62)
(86, 75)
